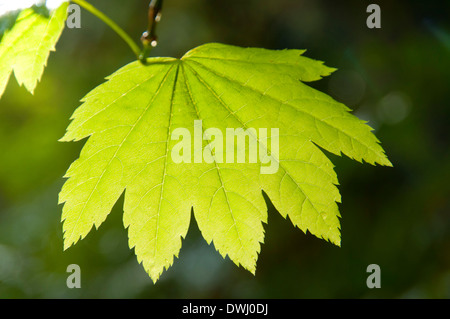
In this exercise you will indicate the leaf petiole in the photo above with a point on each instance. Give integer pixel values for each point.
(89, 7)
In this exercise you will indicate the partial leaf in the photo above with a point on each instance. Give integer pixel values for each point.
(131, 120)
(25, 48)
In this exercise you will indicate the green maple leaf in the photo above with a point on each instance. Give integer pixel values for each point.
(130, 121)
(25, 48)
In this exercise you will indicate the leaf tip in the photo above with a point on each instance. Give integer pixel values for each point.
(66, 138)
(338, 242)
(387, 162)
(67, 244)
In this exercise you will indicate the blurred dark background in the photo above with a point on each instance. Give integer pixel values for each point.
(396, 77)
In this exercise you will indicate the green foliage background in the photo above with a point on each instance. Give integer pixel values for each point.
(399, 218)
